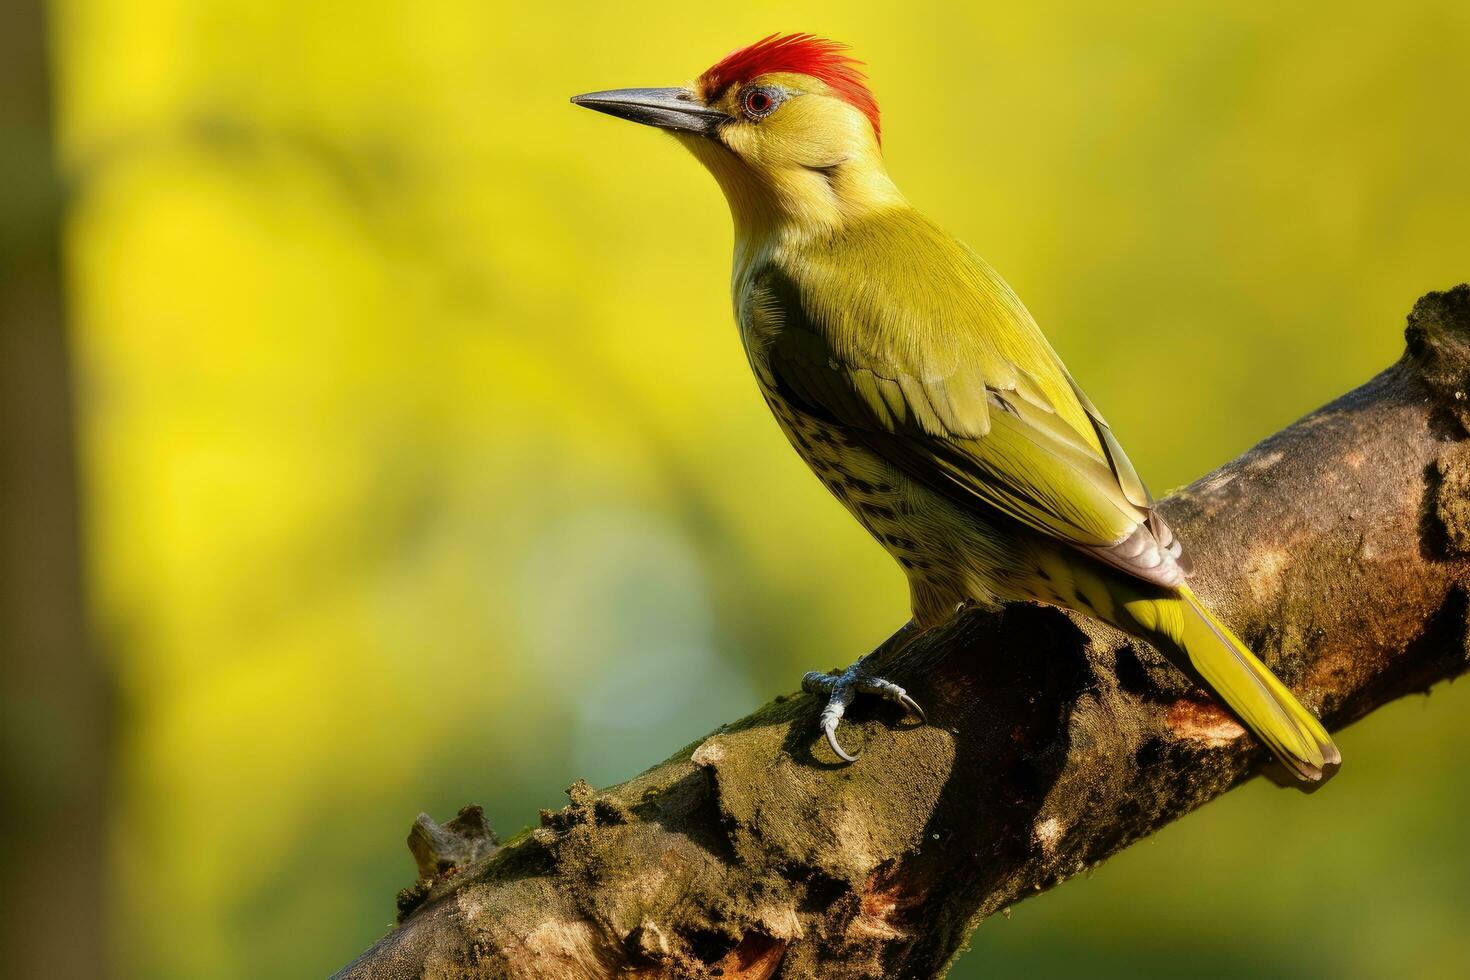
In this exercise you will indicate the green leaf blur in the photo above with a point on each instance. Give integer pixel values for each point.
(423, 465)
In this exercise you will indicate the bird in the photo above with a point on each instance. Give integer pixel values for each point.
(918, 388)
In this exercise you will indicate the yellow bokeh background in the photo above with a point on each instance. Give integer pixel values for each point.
(422, 465)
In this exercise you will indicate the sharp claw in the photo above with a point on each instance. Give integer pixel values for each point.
(842, 687)
(831, 730)
(913, 706)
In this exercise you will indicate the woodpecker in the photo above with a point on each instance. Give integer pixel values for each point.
(914, 383)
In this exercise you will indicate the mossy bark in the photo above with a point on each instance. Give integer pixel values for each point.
(1337, 548)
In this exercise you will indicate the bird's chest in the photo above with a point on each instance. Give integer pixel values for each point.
(877, 493)
(873, 490)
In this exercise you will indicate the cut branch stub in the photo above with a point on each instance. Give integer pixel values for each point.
(441, 851)
(1438, 340)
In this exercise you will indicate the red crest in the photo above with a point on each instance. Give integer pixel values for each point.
(801, 54)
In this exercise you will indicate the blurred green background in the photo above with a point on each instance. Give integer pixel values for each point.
(420, 463)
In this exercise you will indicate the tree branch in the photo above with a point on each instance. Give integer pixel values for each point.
(1338, 548)
(56, 694)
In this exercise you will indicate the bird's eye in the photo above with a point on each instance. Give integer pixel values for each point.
(759, 102)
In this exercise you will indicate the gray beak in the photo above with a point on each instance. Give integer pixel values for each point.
(674, 109)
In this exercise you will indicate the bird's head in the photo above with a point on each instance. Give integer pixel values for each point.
(787, 125)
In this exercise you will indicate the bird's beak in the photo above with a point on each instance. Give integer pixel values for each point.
(674, 109)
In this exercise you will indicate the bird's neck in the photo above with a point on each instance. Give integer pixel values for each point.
(787, 207)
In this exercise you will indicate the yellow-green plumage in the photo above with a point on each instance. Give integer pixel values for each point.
(918, 388)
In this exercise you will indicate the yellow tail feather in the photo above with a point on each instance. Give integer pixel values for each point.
(1246, 685)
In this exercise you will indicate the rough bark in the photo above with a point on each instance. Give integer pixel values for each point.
(1339, 548)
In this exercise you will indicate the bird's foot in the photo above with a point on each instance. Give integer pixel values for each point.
(842, 688)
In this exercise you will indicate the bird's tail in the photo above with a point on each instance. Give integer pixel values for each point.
(1204, 646)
